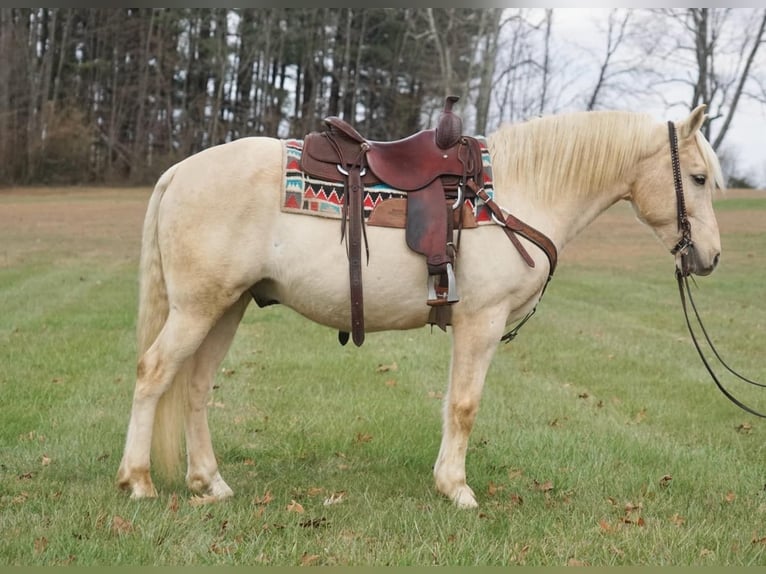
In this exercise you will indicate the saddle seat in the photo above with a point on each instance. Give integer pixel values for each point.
(432, 166)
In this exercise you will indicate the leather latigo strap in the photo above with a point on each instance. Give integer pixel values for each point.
(355, 223)
(513, 225)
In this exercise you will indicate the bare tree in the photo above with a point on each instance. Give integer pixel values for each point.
(721, 47)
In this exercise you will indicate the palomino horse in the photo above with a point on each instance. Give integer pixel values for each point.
(215, 236)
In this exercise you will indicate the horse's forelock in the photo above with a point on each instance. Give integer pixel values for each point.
(711, 159)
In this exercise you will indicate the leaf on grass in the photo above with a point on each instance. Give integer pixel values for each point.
(546, 486)
(745, 428)
(390, 383)
(515, 473)
(309, 559)
(362, 438)
(21, 498)
(386, 368)
(730, 497)
(493, 489)
(583, 396)
(201, 500)
(41, 544)
(640, 416)
(335, 498)
(757, 540)
(677, 519)
(605, 526)
(665, 481)
(516, 500)
(314, 491)
(216, 549)
(295, 507)
(435, 395)
(705, 552)
(265, 499)
(121, 526)
(576, 562)
(45, 460)
(314, 523)
(27, 476)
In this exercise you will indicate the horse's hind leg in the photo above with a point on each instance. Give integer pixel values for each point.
(473, 346)
(179, 338)
(202, 474)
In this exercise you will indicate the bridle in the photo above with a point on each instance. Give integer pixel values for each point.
(683, 247)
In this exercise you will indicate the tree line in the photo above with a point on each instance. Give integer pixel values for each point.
(116, 95)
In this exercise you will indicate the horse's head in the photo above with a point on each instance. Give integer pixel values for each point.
(654, 196)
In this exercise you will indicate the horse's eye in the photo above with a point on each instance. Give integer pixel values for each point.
(699, 179)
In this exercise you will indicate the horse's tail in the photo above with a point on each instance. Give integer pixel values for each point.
(153, 310)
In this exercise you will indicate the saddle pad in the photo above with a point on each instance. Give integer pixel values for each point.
(310, 196)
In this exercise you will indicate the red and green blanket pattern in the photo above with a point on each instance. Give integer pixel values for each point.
(307, 195)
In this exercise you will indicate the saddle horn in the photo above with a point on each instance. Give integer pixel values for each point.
(450, 126)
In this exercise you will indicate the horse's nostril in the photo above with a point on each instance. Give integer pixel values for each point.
(715, 259)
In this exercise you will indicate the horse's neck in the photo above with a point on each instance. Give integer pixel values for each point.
(561, 220)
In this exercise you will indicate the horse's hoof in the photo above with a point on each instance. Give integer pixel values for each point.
(139, 487)
(215, 488)
(465, 498)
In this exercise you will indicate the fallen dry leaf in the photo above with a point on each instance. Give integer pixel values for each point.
(576, 562)
(295, 507)
(677, 519)
(390, 383)
(386, 368)
(335, 498)
(435, 395)
(45, 460)
(265, 499)
(515, 473)
(362, 437)
(314, 491)
(705, 552)
(309, 559)
(730, 497)
(745, 428)
(41, 544)
(665, 480)
(201, 500)
(121, 526)
(605, 526)
(314, 523)
(546, 486)
(173, 503)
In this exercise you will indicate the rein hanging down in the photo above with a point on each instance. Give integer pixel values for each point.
(684, 245)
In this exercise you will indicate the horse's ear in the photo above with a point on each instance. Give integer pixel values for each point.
(693, 123)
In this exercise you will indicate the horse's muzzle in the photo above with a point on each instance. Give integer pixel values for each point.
(692, 262)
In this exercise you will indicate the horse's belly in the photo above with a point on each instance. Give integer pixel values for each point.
(315, 282)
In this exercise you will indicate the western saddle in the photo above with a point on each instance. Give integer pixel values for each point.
(438, 169)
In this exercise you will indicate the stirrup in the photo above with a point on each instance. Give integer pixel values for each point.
(440, 295)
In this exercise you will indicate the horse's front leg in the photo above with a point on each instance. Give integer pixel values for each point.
(474, 342)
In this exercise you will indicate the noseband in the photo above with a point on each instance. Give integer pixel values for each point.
(683, 247)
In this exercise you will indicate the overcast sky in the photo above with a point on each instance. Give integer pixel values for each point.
(582, 29)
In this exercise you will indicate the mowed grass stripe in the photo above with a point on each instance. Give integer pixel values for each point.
(600, 439)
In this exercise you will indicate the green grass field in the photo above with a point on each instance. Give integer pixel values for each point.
(601, 439)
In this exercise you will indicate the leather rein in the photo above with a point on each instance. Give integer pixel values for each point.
(683, 247)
